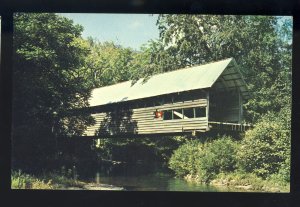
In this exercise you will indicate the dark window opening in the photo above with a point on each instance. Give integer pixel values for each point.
(167, 115)
(147, 104)
(178, 113)
(168, 100)
(177, 98)
(158, 101)
(188, 113)
(200, 112)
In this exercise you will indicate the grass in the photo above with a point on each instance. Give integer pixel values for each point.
(49, 181)
(245, 182)
(249, 181)
(21, 180)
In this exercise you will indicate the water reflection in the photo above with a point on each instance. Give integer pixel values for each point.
(143, 178)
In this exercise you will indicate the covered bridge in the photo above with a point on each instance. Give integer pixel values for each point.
(189, 100)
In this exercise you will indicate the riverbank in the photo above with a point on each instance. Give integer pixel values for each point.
(244, 182)
(233, 182)
(53, 181)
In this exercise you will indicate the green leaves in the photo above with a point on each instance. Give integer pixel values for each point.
(183, 159)
(205, 160)
(261, 45)
(107, 64)
(49, 54)
(264, 151)
(55, 69)
(266, 148)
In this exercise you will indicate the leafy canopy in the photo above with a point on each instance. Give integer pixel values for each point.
(49, 54)
(261, 45)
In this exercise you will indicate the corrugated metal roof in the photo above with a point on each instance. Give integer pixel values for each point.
(198, 77)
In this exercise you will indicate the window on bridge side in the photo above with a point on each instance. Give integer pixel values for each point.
(200, 112)
(178, 114)
(167, 115)
(188, 113)
(185, 113)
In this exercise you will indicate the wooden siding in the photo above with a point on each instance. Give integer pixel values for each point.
(142, 121)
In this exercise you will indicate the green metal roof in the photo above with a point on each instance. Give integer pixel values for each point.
(196, 77)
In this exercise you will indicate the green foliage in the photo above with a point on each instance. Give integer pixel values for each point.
(62, 181)
(242, 179)
(20, 180)
(48, 57)
(261, 45)
(107, 64)
(54, 70)
(265, 150)
(262, 48)
(183, 161)
(205, 160)
(250, 181)
(284, 172)
(219, 156)
(152, 59)
(148, 150)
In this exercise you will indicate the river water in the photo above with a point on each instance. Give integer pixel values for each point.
(142, 178)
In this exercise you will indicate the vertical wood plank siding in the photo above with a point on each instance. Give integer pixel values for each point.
(142, 121)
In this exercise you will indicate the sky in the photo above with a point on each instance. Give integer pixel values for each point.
(127, 30)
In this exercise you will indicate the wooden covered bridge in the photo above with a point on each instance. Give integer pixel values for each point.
(189, 100)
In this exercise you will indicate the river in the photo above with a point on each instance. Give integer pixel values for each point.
(140, 177)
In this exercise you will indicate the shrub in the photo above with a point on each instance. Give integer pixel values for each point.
(204, 160)
(265, 150)
(20, 180)
(219, 156)
(184, 158)
(250, 181)
(283, 175)
(241, 179)
(284, 171)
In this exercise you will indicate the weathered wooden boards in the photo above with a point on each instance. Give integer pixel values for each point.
(143, 121)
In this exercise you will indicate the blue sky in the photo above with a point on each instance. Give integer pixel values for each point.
(128, 30)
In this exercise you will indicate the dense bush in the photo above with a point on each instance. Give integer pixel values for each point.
(204, 160)
(265, 150)
(20, 180)
(250, 181)
(218, 156)
(183, 160)
(283, 174)
(53, 180)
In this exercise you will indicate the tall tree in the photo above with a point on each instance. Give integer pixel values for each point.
(107, 63)
(261, 45)
(48, 57)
